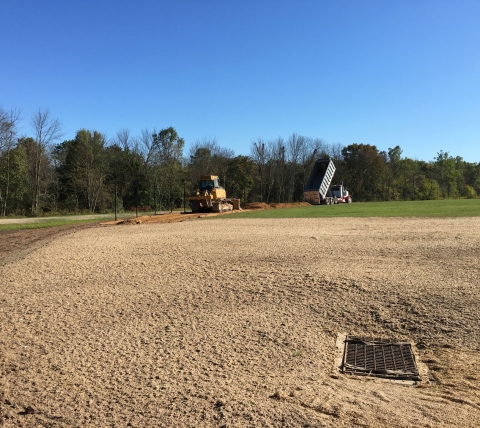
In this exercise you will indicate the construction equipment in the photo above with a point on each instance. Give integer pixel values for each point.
(211, 197)
(342, 195)
(317, 190)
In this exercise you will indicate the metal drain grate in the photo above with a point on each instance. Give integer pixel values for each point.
(394, 360)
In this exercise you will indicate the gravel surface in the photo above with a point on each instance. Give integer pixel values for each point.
(16, 244)
(229, 322)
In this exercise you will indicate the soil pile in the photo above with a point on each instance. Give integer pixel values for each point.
(264, 206)
(177, 217)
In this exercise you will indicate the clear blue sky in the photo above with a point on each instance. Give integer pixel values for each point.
(383, 72)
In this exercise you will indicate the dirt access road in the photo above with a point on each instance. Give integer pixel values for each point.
(234, 322)
(17, 244)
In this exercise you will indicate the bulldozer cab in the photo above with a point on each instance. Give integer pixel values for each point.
(208, 183)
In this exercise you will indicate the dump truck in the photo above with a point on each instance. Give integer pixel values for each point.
(211, 197)
(342, 194)
(318, 191)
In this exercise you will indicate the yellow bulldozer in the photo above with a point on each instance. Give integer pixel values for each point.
(211, 197)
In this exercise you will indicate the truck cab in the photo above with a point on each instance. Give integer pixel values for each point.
(340, 193)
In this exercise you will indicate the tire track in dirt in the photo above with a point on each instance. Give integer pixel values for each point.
(15, 245)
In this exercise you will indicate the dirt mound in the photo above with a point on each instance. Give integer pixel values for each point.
(290, 205)
(160, 218)
(257, 206)
(264, 206)
(175, 217)
(180, 216)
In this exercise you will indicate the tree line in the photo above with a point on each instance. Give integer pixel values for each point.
(40, 174)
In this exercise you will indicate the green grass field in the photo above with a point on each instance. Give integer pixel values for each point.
(440, 208)
(44, 222)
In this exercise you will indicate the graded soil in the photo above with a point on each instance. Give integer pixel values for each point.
(234, 322)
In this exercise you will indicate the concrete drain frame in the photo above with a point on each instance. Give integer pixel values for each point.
(380, 358)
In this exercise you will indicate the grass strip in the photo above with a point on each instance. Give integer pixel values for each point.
(437, 208)
(45, 224)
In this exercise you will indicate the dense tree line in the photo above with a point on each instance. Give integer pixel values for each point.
(39, 173)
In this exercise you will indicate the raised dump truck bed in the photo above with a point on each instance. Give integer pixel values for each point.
(317, 190)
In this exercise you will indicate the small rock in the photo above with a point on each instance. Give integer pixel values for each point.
(219, 403)
(279, 395)
(29, 410)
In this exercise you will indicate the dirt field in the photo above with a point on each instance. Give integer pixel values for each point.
(234, 323)
(17, 244)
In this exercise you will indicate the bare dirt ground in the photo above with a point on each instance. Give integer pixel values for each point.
(176, 217)
(234, 322)
(17, 244)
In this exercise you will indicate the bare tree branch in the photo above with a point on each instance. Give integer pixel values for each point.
(46, 129)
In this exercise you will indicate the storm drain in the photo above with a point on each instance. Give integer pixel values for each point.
(380, 358)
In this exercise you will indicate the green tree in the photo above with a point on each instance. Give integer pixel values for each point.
(393, 176)
(240, 177)
(365, 168)
(169, 158)
(13, 174)
(410, 177)
(8, 133)
(472, 176)
(82, 167)
(447, 174)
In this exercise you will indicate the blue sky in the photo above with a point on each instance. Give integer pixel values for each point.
(384, 72)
